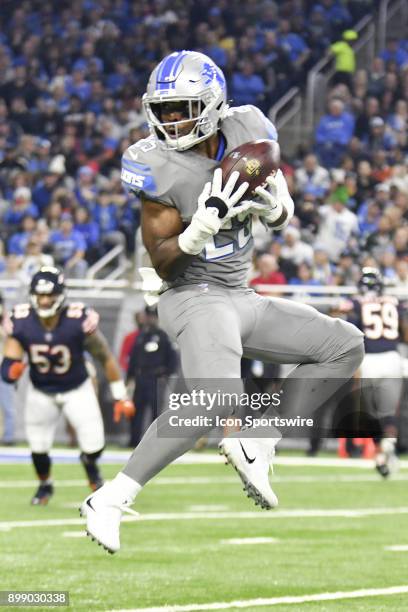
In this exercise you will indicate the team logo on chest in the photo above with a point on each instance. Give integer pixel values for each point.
(48, 337)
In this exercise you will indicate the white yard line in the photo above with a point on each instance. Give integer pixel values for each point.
(217, 480)
(276, 601)
(249, 541)
(193, 516)
(16, 454)
(397, 548)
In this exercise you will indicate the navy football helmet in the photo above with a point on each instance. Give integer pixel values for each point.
(49, 280)
(371, 280)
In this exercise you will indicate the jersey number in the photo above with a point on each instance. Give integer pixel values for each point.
(40, 355)
(243, 236)
(380, 321)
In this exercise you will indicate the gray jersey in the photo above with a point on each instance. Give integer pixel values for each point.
(176, 179)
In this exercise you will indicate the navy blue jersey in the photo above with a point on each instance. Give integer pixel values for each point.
(56, 357)
(378, 317)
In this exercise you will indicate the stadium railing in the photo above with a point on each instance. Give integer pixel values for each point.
(392, 17)
(286, 114)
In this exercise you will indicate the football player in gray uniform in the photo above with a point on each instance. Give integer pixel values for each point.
(198, 234)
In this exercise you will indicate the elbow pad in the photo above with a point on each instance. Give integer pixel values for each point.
(11, 369)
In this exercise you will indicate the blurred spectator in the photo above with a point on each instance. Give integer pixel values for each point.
(345, 60)
(246, 86)
(381, 238)
(105, 212)
(69, 248)
(347, 272)
(34, 258)
(312, 175)
(294, 45)
(370, 110)
(365, 181)
(90, 231)
(379, 137)
(333, 133)
(338, 225)
(394, 52)
(305, 277)
(401, 269)
(269, 273)
(294, 248)
(322, 269)
(387, 262)
(17, 243)
(400, 241)
(44, 189)
(20, 207)
(129, 340)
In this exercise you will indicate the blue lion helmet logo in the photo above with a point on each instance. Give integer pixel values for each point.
(209, 72)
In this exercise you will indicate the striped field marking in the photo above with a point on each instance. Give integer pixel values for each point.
(18, 454)
(193, 516)
(248, 541)
(217, 480)
(276, 601)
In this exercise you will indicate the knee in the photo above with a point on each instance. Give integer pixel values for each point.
(90, 458)
(349, 357)
(355, 355)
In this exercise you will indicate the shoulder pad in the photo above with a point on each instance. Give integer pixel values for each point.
(75, 310)
(138, 167)
(21, 311)
(262, 126)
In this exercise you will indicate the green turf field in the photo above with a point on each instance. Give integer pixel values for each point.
(180, 553)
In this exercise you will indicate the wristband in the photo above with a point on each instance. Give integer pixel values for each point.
(219, 204)
(118, 390)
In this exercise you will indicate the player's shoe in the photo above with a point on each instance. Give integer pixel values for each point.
(252, 460)
(386, 461)
(42, 495)
(103, 513)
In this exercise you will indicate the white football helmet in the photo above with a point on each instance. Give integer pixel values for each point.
(191, 78)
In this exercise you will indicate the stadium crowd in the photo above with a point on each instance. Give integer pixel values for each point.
(71, 79)
(351, 188)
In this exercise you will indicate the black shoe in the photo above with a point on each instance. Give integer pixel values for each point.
(383, 469)
(42, 495)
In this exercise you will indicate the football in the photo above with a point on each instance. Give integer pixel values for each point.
(254, 161)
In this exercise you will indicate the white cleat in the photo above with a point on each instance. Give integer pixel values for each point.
(252, 459)
(103, 515)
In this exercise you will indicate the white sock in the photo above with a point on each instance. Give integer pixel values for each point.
(125, 487)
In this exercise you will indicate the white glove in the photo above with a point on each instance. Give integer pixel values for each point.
(214, 204)
(269, 208)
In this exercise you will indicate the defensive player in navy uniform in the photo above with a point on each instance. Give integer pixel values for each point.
(201, 245)
(380, 318)
(54, 335)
